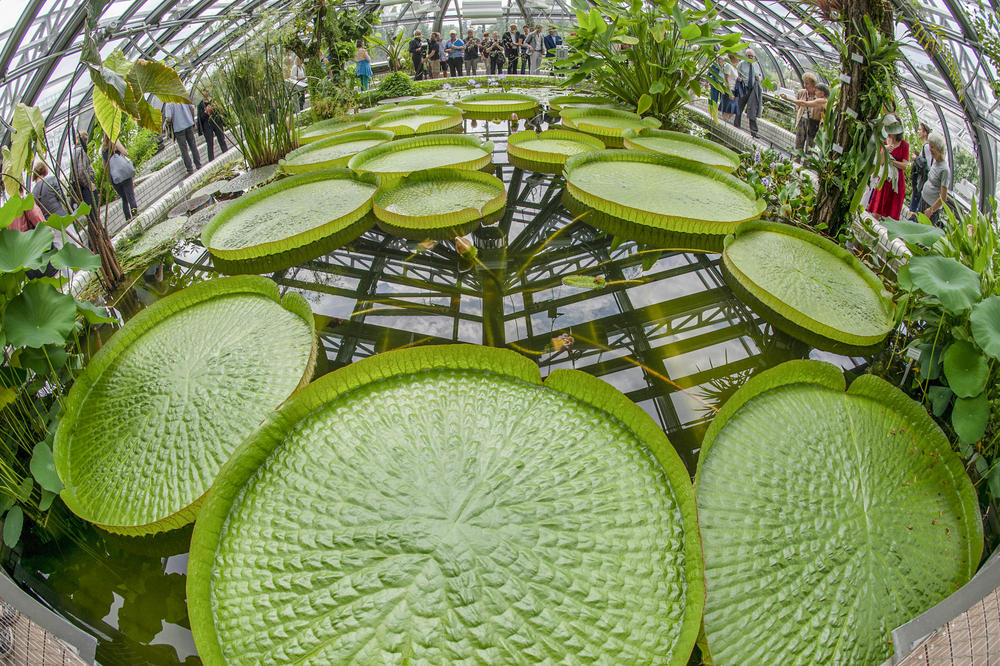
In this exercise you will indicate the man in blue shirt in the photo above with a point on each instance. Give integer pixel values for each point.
(455, 48)
(552, 40)
(181, 118)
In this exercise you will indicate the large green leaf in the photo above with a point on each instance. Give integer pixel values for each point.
(148, 77)
(827, 518)
(439, 203)
(966, 369)
(38, 316)
(497, 106)
(332, 152)
(547, 152)
(969, 417)
(558, 103)
(607, 124)
(425, 120)
(681, 144)
(440, 505)
(395, 159)
(280, 224)
(164, 403)
(15, 207)
(955, 285)
(808, 281)
(985, 319)
(109, 116)
(28, 139)
(24, 250)
(335, 126)
(74, 257)
(640, 194)
(912, 232)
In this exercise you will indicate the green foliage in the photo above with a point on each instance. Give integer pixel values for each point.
(394, 48)
(966, 167)
(28, 140)
(785, 186)
(141, 145)
(651, 56)
(324, 34)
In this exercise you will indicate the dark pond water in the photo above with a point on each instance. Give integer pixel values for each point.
(669, 334)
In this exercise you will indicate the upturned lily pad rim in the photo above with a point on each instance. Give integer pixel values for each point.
(790, 312)
(288, 164)
(544, 160)
(657, 220)
(728, 160)
(410, 103)
(254, 451)
(427, 140)
(341, 224)
(505, 103)
(428, 224)
(335, 126)
(124, 338)
(576, 118)
(453, 119)
(561, 102)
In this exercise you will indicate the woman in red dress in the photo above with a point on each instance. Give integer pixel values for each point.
(887, 200)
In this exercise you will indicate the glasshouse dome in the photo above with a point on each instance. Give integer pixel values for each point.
(500, 332)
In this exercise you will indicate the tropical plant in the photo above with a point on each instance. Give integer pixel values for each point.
(290, 221)
(260, 106)
(323, 35)
(845, 507)
(787, 188)
(394, 48)
(40, 347)
(450, 521)
(148, 424)
(608, 124)
(651, 56)
(430, 119)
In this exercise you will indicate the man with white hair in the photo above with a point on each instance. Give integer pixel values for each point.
(751, 97)
(934, 194)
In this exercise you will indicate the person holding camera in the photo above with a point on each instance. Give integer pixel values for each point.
(418, 51)
(210, 126)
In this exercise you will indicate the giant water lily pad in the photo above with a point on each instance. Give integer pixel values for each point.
(335, 126)
(290, 221)
(606, 124)
(649, 198)
(164, 403)
(547, 152)
(415, 103)
(442, 505)
(560, 102)
(683, 145)
(425, 120)
(828, 518)
(810, 283)
(439, 203)
(497, 106)
(954, 284)
(397, 158)
(332, 152)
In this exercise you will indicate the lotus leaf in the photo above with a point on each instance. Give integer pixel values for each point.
(827, 518)
(985, 319)
(683, 145)
(497, 106)
(165, 402)
(442, 505)
(439, 203)
(395, 159)
(74, 257)
(13, 523)
(912, 232)
(39, 315)
(809, 282)
(969, 417)
(965, 369)
(43, 468)
(648, 197)
(290, 221)
(955, 285)
(547, 152)
(24, 250)
(334, 151)
(607, 124)
(427, 120)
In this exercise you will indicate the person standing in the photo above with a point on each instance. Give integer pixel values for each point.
(536, 45)
(887, 200)
(82, 175)
(417, 53)
(552, 40)
(455, 48)
(46, 190)
(921, 166)
(751, 97)
(473, 49)
(494, 52)
(210, 126)
(802, 112)
(434, 54)
(120, 170)
(512, 40)
(181, 118)
(934, 193)
(363, 65)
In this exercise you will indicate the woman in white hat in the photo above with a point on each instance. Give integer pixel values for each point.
(887, 200)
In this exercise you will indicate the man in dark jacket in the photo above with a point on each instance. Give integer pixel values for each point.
(210, 126)
(417, 51)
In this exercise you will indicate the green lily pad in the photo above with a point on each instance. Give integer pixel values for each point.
(497, 106)
(912, 232)
(681, 144)
(333, 127)
(955, 285)
(560, 102)
(332, 152)
(966, 369)
(43, 468)
(547, 152)
(969, 417)
(395, 159)
(13, 523)
(609, 125)
(439, 203)
(985, 319)
(426, 120)
(167, 399)
(38, 316)
(442, 505)
(827, 518)
(290, 221)
(809, 282)
(24, 250)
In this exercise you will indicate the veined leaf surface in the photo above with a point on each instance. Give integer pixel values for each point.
(680, 144)
(164, 403)
(440, 504)
(828, 518)
(422, 120)
(607, 124)
(332, 152)
(402, 156)
(497, 106)
(547, 152)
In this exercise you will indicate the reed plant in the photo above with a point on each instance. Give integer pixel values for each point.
(259, 104)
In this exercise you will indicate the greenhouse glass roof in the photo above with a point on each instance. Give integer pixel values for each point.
(953, 87)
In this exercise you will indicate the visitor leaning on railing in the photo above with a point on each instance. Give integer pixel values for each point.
(934, 194)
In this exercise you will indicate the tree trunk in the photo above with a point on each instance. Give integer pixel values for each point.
(100, 242)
